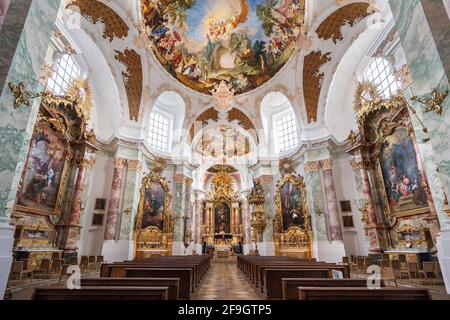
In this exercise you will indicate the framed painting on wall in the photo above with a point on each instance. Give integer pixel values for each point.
(45, 166)
(347, 222)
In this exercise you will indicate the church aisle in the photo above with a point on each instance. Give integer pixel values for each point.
(224, 282)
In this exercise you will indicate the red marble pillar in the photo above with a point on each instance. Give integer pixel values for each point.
(114, 200)
(376, 239)
(246, 220)
(331, 200)
(198, 219)
(72, 227)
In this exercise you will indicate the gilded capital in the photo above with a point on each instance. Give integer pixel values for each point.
(134, 165)
(312, 166)
(119, 163)
(326, 164)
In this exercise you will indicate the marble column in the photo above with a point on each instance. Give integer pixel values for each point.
(114, 200)
(21, 58)
(180, 211)
(376, 239)
(130, 199)
(268, 185)
(3, 8)
(246, 223)
(331, 200)
(316, 204)
(198, 218)
(71, 229)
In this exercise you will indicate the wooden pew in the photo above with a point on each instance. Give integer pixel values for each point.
(261, 268)
(273, 284)
(290, 285)
(102, 293)
(327, 293)
(172, 283)
(184, 274)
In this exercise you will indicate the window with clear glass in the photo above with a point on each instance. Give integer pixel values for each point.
(380, 72)
(287, 134)
(65, 73)
(158, 132)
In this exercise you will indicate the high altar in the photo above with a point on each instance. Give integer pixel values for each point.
(222, 228)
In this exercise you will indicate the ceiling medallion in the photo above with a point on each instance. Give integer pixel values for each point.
(223, 95)
(242, 42)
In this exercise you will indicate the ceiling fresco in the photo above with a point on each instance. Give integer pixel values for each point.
(242, 42)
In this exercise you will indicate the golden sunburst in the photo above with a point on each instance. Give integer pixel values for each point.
(366, 92)
(80, 92)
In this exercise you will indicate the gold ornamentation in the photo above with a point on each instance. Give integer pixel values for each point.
(433, 104)
(313, 81)
(312, 166)
(352, 137)
(132, 79)
(158, 165)
(98, 11)
(297, 182)
(286, 166)
(326, 164)
(331, 27)
(165, 236)
(222, 186)
(21, 95)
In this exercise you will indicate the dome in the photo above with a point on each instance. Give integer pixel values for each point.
(242, 42)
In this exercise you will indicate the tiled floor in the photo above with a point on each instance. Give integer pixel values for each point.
(224, 282)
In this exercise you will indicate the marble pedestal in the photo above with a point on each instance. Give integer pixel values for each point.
(443, 246)
(6, 245)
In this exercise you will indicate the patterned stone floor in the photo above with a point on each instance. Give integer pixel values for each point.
(224, 282)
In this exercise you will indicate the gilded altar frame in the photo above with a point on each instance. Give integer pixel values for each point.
(67, 116)
(378, 119)
(296, 241)
(152, 241)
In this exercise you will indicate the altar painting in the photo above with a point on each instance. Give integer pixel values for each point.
(44, 170)
(153, 213)
(222, 221)
(401, 174)
(291, 206)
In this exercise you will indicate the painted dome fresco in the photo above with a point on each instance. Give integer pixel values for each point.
(242, 42)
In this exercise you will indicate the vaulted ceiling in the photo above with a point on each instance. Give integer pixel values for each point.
(307, 60)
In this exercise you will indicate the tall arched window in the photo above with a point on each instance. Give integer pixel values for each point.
(159, 129)
(286, 133)
(380, 72)
(66, 71)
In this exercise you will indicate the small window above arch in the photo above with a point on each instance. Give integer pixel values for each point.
(66, 71)
(380, 73)
(159, 130)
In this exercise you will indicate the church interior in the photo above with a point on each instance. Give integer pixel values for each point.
(224, 150)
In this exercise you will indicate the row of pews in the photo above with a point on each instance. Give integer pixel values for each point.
(158, 278)
(293, 279)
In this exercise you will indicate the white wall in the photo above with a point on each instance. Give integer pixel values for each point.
(355, 241)
(92, 236)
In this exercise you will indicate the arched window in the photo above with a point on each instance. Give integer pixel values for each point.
(380, 72)
(159, 129)
(67, 70)
(286, 133)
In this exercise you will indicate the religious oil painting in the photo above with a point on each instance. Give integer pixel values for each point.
(44, 171)
(153, 215)
(291, 206)
(242, 42)
(222, 221)
(402, 177)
